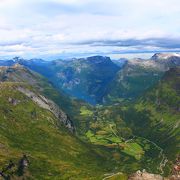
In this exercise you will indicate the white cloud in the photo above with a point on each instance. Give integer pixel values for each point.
(44, 27)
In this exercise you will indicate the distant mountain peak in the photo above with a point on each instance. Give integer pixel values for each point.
(17, 65)
(168, 59)
(98, 59)
(164, 56)
(17, 58)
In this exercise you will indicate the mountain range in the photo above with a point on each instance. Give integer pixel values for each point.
(90, 118)
(91, 79)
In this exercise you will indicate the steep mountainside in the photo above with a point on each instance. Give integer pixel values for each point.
(138, 75)
(85, 78)
(31, 129)
(148, 129)
(170, 60)
(98, 80)
(132, 80)
(18, 73)
(156, 115)
(33, 125)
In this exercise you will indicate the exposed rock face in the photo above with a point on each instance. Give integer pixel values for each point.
(164, 55)
(49, 105)
(16, 170)
(17, 73)
(171, 59)
(147, 64)
(176, 169)
(13, 101)
(145, 176)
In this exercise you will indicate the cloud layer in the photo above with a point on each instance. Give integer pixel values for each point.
(49, 28)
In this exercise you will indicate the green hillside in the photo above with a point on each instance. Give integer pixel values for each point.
(52, 151)
(151, 122)
(26, 128)
(132, 81)
(114, 138)
(156, 114)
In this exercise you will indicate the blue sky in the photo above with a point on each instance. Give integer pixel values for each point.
(69, 28)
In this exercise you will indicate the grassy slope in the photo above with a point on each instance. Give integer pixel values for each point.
(156, 115)
(52, 151)
(131, 82)
(67, 104)
(102, 125)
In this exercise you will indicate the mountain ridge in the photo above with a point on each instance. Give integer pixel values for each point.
(93, 78)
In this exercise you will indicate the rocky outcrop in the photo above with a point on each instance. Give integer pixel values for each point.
(13, 101)
(143, 175)
(176, 169)
(170, 59)
(17, 73)
(45, 103)
(16, 170)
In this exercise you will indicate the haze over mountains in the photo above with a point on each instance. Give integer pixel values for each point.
(90, 118)
(100, 80)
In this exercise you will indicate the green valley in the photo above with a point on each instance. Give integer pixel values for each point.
(63, 137)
